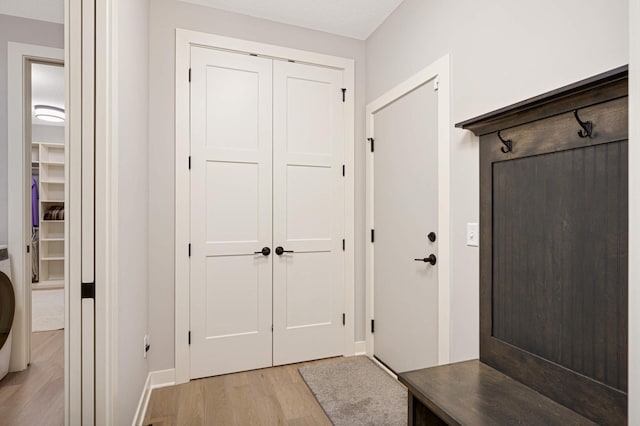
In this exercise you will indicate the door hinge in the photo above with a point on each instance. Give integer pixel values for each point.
(189, 249)
(189, 162)
(272, 328)
(344, 94)
(88, 290)
(189, 75)
(343, 170)
(436, 84)
(344, 319)
(373, 235)
(189, 337)
(373, 326)
(29, 250)
(343, 245)
(372, 142)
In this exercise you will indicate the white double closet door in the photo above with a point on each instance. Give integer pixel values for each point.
(267, 148)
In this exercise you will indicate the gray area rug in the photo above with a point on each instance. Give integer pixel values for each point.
(355, 391)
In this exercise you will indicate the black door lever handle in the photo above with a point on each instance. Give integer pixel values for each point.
(280, 251)
(431, 259)
(266, 251)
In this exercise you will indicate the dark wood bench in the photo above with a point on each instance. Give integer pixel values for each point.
(472, 393)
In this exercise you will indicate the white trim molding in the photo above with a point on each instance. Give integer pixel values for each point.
(439, 73)
(19, 198)
(634, 213)
(184, 41)
(106, 211)
(155, 380)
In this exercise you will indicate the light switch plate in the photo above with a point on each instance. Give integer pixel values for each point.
(473, 235)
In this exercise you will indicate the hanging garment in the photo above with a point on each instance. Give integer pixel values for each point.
(35, 255)
(35, 198)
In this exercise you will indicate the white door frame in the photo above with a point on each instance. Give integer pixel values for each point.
(84, 32)
(105, 101)
(74, 38)
(438, 74)
(19, 197)
(90, 204)
(184, 40)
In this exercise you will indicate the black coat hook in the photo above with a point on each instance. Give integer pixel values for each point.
(508, 144)
(587, 126)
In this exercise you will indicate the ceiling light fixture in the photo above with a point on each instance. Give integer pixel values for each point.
(49, 113)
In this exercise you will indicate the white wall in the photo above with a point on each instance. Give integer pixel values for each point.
(51, 134)
(49, 10)
(22, 31)
(502, 51)
(166, 16)
(133, 185)
(634, 213)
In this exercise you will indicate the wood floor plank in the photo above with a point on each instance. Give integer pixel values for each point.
(36, 395)
(270, 396)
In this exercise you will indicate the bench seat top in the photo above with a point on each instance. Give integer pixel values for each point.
(473, 393)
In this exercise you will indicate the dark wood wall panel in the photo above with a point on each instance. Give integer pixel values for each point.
(559, 288)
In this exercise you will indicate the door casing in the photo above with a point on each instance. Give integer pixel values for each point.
(437, 74)
(19, 154)
(184, 40)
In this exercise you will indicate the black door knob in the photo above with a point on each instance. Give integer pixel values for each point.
(280, 251)
(432, 236)
(431, 259)
(266, 251)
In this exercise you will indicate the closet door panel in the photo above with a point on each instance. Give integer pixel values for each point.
(233, 109)
(308, 195)
(231, 211)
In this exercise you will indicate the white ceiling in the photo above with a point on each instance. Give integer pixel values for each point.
(47, 88)
(351, 18)
(41, 10)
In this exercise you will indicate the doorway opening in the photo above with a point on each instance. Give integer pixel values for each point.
(45, 119)
(36, 243)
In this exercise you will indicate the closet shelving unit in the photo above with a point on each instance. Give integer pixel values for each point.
(50, 159)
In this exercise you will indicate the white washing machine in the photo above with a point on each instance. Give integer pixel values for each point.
(7, 310)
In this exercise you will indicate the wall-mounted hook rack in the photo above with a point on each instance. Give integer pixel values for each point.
(587, 126)
(508, 143)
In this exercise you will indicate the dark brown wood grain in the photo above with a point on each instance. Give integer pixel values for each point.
(472, 393)
(560, 258)
(559, 133)
(554, 246)
(420, 415)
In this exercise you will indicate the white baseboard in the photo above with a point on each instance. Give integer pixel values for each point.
(360, 347)
(155, 379)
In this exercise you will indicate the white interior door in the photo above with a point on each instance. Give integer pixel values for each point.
(405, 212)
(231, 211)
(308, 294)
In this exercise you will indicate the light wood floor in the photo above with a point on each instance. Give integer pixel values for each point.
(35, 396)
(271, 396)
